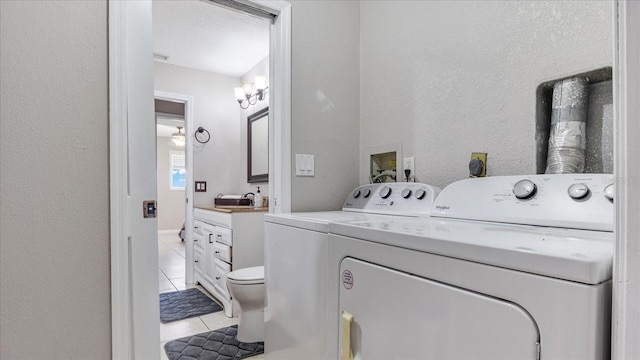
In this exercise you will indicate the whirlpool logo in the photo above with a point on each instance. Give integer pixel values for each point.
(443, 207)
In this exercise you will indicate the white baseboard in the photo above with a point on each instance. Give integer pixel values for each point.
(165, 232)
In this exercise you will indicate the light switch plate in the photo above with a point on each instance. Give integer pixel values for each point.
(305, 165)
(201, 186)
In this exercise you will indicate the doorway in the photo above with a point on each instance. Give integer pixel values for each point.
(134, 272)
(171, 189)
(196, 52)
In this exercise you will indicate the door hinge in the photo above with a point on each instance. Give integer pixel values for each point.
(538, 350)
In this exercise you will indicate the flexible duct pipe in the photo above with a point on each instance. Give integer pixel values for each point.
(567, 138)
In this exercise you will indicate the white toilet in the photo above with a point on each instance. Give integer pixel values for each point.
(246, 286)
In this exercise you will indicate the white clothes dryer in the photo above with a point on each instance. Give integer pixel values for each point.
(296, 264)
(515, 267)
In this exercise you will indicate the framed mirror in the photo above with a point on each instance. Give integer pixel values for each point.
(258, 146)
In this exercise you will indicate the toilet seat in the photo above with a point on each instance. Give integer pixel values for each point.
(248, 276)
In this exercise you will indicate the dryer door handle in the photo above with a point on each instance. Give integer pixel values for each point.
(346, 352)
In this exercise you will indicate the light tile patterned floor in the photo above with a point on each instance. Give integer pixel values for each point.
(171, 257)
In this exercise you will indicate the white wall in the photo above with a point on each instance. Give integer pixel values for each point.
(219, 162)
(446, 78)
(325, 101)
(170, 202)
(54, 232)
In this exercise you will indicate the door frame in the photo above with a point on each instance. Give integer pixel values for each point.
(123, 62)
(625, 319)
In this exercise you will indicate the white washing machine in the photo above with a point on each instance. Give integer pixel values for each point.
(296, 265)
(515, 267)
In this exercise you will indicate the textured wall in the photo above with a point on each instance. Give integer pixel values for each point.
(325, 93)
(218, 162)
(54, 217)
(170, 202)
(446, 78)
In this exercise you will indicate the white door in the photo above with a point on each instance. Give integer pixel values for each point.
(402, 316)
(133, 182)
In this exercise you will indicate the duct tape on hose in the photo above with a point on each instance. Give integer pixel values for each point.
(567, 137)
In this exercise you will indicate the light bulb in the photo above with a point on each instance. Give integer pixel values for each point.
(239, 93)
(248, 87)
(261, 82)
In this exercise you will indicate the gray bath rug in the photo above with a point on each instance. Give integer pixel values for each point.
(218, 344)
(185, 304)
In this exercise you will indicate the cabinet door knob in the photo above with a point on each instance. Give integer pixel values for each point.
(217, 252)
(197, 260)
(217, 277)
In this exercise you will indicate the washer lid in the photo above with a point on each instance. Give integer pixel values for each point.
(247, 274)
(318, 221)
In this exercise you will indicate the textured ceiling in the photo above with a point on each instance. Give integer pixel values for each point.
(203, 36)
(166, 126)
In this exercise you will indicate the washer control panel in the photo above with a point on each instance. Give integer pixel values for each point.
(410, 199)
(579, 201)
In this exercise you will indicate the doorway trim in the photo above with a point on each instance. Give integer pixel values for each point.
(279, 103)
(187, 100)
(625, 319)
(122, 65)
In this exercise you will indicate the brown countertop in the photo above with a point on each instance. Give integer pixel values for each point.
(232, 209)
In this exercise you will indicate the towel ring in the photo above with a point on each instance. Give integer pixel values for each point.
(202, 135)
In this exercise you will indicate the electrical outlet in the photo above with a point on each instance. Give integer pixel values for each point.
(409, 164)
(478, 164)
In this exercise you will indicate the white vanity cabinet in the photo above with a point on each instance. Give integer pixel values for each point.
(226, 239)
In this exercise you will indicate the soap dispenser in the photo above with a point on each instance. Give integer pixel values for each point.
(258, 200)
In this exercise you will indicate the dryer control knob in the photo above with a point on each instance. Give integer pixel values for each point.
(420, 194)
(578, 191)
(610, 192)
(524, 189)
(366, 193)
(356, 194)
(385, 192)
(406, 193)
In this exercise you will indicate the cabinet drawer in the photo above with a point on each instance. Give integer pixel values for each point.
(198, 261)
(223, 235)
(198, 240)
(198, 227)
(222, 269)
(222, 251)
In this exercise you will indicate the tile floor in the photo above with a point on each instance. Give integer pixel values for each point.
(171, 257)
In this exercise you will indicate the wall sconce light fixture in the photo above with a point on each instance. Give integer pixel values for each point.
(245, 95)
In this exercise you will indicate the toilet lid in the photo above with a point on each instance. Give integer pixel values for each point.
(252, 274)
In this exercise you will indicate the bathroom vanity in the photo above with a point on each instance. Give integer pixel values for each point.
(226, 238)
